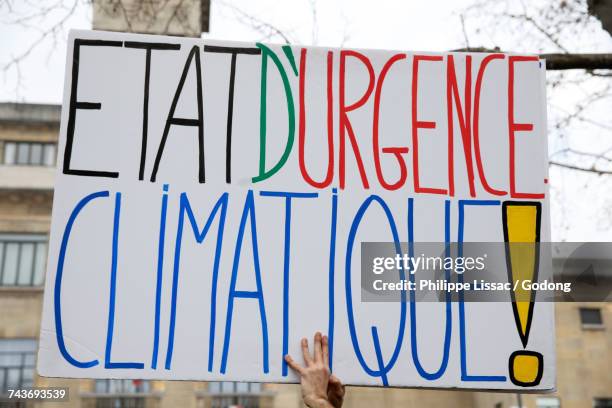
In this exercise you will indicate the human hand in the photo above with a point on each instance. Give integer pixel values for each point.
(320, 389)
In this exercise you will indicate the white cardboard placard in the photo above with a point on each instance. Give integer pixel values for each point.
(171, 255)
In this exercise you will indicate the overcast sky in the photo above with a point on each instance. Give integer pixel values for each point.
(406, 25)
(583, 199)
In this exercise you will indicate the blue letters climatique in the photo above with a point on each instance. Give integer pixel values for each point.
(385, 359)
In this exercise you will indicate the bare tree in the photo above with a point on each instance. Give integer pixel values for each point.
(49, 20)
(579, 85)
(579, 93)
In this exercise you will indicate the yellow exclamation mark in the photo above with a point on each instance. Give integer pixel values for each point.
(521, 222)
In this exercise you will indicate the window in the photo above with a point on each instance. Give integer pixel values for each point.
(228, 394)
(121, 402)
(29, 153)
(17, 361)
(602, 403)
(121, 393)
(548, 402)
(22, 259)
(591, 317)
(122, 387)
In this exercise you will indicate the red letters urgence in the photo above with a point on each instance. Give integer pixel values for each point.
(468, 124)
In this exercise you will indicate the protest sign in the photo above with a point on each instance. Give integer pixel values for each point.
(212, 197)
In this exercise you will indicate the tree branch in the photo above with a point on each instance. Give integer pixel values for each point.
(558, 61)
(577, 61)
(599, 172)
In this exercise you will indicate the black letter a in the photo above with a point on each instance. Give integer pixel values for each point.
(171, 120)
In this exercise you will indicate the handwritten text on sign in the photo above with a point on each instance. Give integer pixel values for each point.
(211, 198)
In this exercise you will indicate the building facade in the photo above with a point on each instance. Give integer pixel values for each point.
(28, 149)
(168, 17)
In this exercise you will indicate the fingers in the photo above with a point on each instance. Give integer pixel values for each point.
(294, 366)
(306, 352)
(325, 347)
(318, 354)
